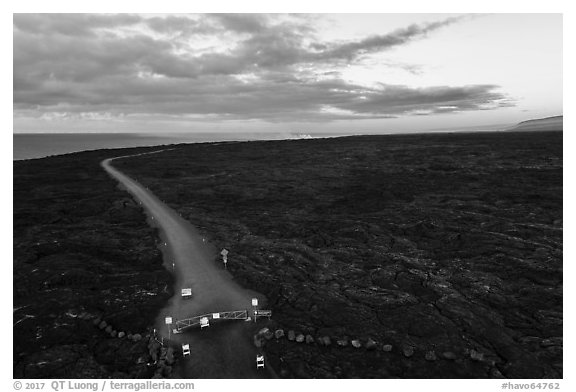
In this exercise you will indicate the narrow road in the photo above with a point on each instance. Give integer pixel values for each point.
(225, 349)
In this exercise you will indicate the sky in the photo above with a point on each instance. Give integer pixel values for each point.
(298, 73)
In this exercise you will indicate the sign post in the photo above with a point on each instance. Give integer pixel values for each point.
(255, 306)
(168, 323)
(224, 254)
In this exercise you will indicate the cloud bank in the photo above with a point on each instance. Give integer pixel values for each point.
(215, 67)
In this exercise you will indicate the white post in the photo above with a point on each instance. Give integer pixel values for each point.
(255, 306)
(168, 323)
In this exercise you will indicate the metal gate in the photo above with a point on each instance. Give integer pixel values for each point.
(194, 321)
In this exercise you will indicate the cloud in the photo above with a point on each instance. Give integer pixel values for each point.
(379, 43)
(242, 23)
(394, 99)
(71, 24)
(266, 67)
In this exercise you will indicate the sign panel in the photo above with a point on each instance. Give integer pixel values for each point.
(224, 252)
(204, 322)
(168, 320)
(254, 301)
(215, 315)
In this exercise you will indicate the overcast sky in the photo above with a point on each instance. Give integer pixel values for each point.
(283, 73)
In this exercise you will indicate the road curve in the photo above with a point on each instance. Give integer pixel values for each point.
(223, 350)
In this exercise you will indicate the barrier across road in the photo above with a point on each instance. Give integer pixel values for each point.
(195, 321)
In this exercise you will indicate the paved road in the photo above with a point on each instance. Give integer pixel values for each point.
(225, 349)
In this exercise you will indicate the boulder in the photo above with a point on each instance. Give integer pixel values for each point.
(326, 340)
(430, 356)
(291, 335)
(387, 348)
(356, 343)
(136, 337)
(170, 356)
(408, 351)
(268, 335)
(113, 334)
(449, 355)
(309, 339)
(121, 334)
(257, 341)
(370, 344)
(300, 338)
(97, 321)
(108, 329)
(279, 333)
(265, 333)
(102, 325)
(476, 356)
(342, 342)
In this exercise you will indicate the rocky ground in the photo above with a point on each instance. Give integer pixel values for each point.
(440, 255)
(88, 277)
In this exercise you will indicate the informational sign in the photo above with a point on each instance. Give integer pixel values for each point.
(204, 322)
(186, 293)
(254, 301)
(259, 361)
(168, 320)
(215, 315)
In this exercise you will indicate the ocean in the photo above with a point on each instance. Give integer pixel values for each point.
(39, 145)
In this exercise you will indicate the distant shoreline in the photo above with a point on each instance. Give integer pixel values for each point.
(44, 145)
